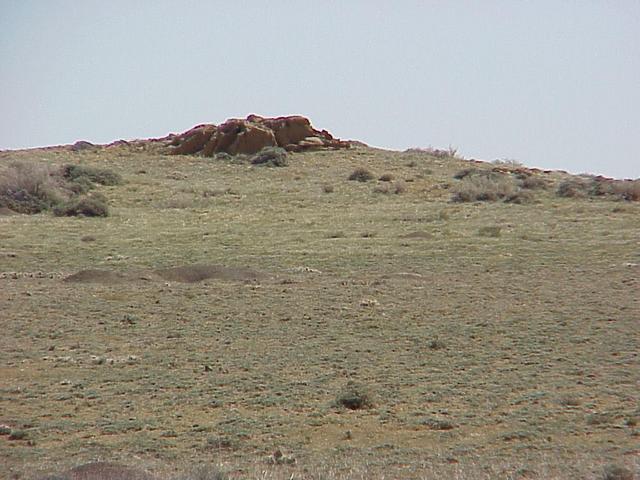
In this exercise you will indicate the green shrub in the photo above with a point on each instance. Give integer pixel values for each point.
(85, 205)
(361, 174)
(84, 174)
(271, 156)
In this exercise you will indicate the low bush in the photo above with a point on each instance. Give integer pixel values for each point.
(354, 397)
(361, 174)
(387, 177)
(574, 188)
(87, 175)
(85, 205)
(451, 152)
(627, 189)
(271, 156)
(533, 182)
(31, 187)
(484, 188)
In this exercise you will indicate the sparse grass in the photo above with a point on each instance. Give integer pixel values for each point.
(161, 371)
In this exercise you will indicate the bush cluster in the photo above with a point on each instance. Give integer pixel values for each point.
(483, 185)
(31, 187)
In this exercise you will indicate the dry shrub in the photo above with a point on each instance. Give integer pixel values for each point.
(354, 397)
(485, 188)
(492, 231)
(574, 188)
(205, 473)
(271, 157)
(627, 189)
(327, 188)
(361, 174)
(399, 187)
(519, 197)
(617, 472)
(469, 172)
(29, 187)
(533, 182)
(451, 152)
(386, 177)
(384, 188)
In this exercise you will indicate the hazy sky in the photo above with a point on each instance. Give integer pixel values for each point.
(548, 83)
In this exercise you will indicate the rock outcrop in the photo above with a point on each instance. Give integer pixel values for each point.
(250, 135)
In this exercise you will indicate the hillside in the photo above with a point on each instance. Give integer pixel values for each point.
(429, 317)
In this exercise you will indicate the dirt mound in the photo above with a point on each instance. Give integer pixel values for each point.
(249, 136)
(103, 471)
(183, 274)
(198, 273)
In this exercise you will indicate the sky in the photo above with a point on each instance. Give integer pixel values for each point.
(548, 83)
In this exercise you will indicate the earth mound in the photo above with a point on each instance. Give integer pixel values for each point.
(182, 274)
(198, 273)
(103, 471)
(250, 135)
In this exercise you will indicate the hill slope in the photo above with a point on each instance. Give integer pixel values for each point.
(490, 337)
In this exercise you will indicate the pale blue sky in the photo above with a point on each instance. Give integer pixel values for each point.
(548, 83)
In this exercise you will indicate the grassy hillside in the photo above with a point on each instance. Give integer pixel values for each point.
(483, 339)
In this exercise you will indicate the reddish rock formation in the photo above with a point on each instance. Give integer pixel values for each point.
(249, 136)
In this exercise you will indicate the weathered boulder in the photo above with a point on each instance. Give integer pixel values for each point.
(249, 136)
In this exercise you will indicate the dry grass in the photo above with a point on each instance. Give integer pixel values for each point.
(470, 344)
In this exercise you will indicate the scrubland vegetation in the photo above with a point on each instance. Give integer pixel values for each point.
(352, 314)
